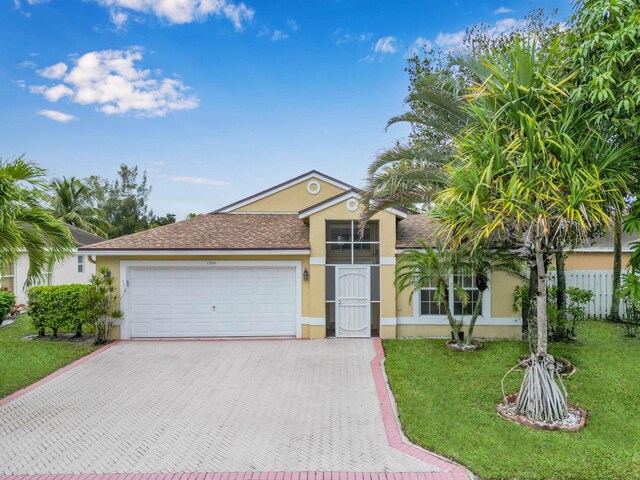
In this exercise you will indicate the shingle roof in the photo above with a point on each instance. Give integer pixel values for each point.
(606, 242)
(413, 228)
(219, 232)
(82, 237)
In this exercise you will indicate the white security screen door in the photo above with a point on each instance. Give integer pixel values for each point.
(353, 298)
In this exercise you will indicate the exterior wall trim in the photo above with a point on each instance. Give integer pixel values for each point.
(440, 320)
(314, 321)
(317, 261)
(146, 253)
(307, 212)
(387, 260)
(392, 321)
(418, 319)
(279, 188)
(125, 324)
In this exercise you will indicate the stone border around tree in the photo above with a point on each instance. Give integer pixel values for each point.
(502, 411)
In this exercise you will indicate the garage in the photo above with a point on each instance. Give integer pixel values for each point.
(211, 301)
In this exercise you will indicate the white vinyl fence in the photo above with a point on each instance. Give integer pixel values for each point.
(599, 282)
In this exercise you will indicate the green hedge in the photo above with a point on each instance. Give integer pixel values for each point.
(57, 308)
(7, 301)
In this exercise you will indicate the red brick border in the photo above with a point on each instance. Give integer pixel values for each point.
(451, 471)
(55, 374)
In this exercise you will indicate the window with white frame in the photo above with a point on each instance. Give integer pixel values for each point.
(8, 279)
(468, 284)
(347, 245)
(80, 263)
(429, 306)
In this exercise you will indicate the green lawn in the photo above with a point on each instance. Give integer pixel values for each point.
(25, 362)
(447, 399)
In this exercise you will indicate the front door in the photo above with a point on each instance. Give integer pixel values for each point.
(353, 297)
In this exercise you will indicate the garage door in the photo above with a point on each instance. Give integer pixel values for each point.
(212, 302)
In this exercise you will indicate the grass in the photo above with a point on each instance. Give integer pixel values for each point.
(24, 362)
(446, 402)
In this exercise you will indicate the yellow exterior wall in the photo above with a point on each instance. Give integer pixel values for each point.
(502, 287)
(593, 261)
(293, 198)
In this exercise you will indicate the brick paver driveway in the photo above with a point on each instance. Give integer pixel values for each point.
(206, 406)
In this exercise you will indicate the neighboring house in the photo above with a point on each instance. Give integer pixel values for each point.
(77, 268)
(287, 261)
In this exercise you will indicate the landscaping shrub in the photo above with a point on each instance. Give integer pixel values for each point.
(98, 304)
(57, 308)
(7, 300)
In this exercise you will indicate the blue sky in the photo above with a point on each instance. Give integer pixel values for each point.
(217, 99)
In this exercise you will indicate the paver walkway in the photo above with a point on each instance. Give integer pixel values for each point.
(236, 406)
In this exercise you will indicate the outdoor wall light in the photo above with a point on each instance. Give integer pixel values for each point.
(305, 275)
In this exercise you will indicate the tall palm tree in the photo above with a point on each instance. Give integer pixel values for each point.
(71, 203)
(410, 174)
(529, 171)
(25, 225)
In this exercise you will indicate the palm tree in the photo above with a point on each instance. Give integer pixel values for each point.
(25, 225)
(432, 267)
(410, 174)
(72, 204)
(529, 171)
(481, 262)
(435, 267)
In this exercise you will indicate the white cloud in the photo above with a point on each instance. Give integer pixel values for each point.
(448, 41)
(419, 45)
(292, 24)
(343, 36)
(502, 10)
(53, 94)
(118, 18)
(386, 45)
(56, 71)
(110, 80)
(196, 180)
(181, 11)
(57, 116)
(27, 64)
(279, 35)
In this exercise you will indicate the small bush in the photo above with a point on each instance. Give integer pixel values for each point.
(57, 308)
(98, 304)
(7, 301)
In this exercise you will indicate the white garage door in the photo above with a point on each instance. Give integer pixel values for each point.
(212, 301)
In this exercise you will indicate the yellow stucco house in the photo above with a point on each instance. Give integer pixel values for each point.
(285, 262)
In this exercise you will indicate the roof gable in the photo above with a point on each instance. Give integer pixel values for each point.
(291, 196)
(341, 197)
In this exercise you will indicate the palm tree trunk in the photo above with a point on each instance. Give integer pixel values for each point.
(540, 397)
(455, 327)
(474, 316)
(527, 307)
(614, 313)
(561, 293)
